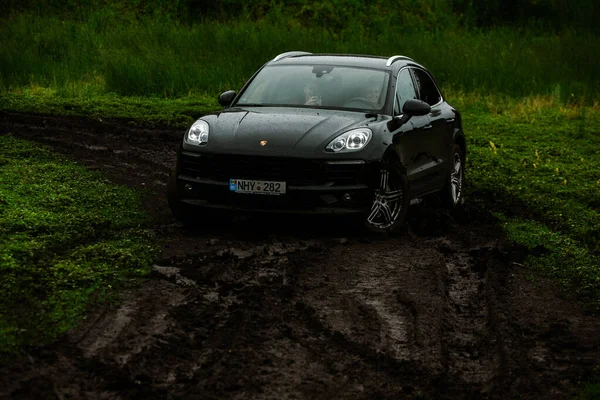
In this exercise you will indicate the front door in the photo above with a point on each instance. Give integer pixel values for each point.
(438, 140)
(416, 139)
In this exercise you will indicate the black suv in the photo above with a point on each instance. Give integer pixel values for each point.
(323, 133)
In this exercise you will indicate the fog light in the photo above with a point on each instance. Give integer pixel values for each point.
(347, 197)
(188, 188)
(329, 199)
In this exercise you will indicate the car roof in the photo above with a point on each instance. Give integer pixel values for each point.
(351, 60)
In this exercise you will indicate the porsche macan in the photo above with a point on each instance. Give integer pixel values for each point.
(323, 134)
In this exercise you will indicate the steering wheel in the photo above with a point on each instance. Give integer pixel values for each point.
(359, 102)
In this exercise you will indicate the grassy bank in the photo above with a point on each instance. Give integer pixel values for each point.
(68, 238)
(158, 57)
(147, 111)
(533, 162)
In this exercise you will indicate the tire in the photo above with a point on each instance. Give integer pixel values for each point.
(391, 199)
(454, 191)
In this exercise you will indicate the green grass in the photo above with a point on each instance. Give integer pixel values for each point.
(534, 163)
(68, 238)
(106, 53)
(590, 392)
(146, 111)
(591, 388)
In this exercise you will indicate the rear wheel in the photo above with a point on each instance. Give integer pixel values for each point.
(390, 200)
(453, 193)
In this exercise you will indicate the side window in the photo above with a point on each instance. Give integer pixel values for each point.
(427, 90)
(405, 89)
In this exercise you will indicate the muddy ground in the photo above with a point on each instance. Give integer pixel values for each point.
(286, 308)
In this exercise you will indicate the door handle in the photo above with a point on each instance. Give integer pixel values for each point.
(450, 120)
(427, 127)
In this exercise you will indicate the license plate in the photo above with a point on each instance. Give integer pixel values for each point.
(256, 187)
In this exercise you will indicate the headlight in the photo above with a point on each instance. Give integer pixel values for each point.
(350, 141)
(198, 133)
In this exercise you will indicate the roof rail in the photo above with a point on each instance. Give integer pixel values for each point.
(393, 59)
(290, 54)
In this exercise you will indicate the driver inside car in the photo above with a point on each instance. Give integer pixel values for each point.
(311, 95)
(373, 94)
(373, 91)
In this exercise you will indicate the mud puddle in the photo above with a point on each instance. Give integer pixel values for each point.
(308, 308)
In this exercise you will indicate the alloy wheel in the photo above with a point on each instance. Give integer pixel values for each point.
(456, 179)
(387, 202)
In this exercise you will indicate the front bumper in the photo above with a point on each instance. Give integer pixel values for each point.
(313, 186)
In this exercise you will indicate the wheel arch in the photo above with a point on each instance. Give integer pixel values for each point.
(391, 154)
(459, 139)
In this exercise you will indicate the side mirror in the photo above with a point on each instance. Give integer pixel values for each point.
(227, 97)
(414, 107)
(411, 108)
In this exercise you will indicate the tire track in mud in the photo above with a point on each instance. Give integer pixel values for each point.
(429, 311)
(123, 153)
(291, 329)
(473, 349)
(237, 321)
(303, 308)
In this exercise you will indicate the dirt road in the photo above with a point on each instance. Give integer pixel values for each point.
(306, 309)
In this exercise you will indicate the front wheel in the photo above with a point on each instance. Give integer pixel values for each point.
(453, 193)
(390, 200)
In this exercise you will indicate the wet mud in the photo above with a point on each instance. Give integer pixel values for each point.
(311, 308)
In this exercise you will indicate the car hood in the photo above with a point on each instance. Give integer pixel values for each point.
(287, 132)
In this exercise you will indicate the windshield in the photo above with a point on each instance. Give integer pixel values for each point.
(321, 86)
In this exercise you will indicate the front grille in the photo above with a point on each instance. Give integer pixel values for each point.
(294, 171)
